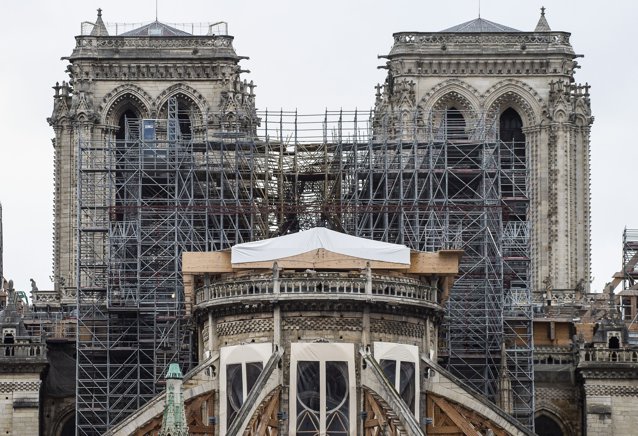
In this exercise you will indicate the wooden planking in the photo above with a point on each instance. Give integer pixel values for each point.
(445, 262)
(212, 262)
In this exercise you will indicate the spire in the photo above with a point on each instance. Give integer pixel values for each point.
(174, 419)
(99, 29)
(542, 25)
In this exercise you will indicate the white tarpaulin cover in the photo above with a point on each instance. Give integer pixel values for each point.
(313, 239)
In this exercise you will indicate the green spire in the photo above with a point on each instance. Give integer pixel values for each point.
(174, 419)
(174, 371)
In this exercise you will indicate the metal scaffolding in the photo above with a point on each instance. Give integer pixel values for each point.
(430, 181)
(629, 258)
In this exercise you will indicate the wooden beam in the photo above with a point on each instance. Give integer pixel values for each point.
(459, 420)
(444, 262)
(212, 262)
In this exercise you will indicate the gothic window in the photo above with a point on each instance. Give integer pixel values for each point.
(241, 365)
(240, 379)
(400, 366)
(322, 380)
(403, 379)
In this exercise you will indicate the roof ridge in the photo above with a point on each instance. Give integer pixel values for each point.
(480, 25)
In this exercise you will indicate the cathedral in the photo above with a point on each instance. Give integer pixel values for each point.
(423, 268)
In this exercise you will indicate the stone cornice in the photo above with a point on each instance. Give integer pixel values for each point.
(520, 42)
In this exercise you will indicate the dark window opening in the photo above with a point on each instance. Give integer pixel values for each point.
(546, 426)
(184, 125)
(454, 125)
(511, 126)
(68, 429)
(120, 135)
(614, 343)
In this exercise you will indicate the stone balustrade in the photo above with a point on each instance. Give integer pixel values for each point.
(601, 355)
(22, 351)
(313, 286)
(423, 39)
(553, 355)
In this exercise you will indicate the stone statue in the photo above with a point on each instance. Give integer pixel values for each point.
(33, 285)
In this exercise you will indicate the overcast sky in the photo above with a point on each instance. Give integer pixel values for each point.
(310, 56)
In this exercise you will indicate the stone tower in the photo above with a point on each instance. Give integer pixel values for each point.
(131, 126)
(523, 83)
(132, 75)
(491, 133)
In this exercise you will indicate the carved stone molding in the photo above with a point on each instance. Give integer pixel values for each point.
(613, 391)
(130, 92)
(217, 41)
(6, 387)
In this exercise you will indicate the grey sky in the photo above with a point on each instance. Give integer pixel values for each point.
(310, 56)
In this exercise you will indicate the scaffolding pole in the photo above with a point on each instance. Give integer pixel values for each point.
(427, 180)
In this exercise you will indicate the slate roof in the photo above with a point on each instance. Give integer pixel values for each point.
(480, 25)
(156, 29)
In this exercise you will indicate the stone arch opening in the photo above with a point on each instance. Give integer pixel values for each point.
(614, 343)
(128, 114)
(452, 117)
(188, 114)
(125, 106)
(546, 425)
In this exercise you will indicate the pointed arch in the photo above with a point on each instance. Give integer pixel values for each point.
(550, 418)
(191, 107)
(124, 98)
(186, 93)
(451, 92)
(511, 93)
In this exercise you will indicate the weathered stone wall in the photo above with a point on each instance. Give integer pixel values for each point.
(19, 404)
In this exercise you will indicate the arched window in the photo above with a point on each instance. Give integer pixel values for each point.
(322, 380)
(241, 365)
(547, 426)
(400, 364)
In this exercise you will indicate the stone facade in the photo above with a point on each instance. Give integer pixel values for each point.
(22, 360)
